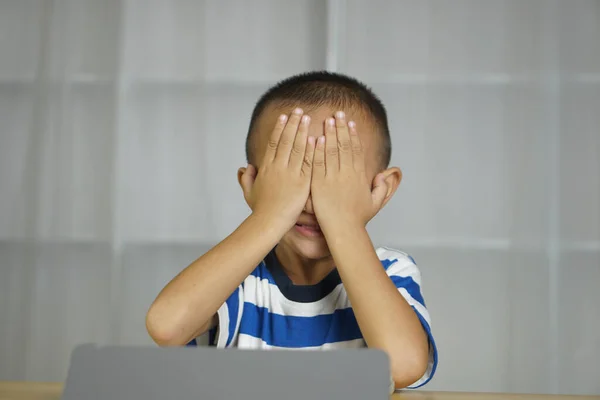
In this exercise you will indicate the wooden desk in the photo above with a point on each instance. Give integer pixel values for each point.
(52, 391)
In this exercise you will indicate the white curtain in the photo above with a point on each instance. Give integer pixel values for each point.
(122, 125)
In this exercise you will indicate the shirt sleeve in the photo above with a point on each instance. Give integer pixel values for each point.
(403, 271)
(229, 315)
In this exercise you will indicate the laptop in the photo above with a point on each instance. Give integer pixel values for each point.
(152, 373)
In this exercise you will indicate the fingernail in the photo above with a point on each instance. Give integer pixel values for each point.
(305, 119)
(282, 118)
(330, 121)
(298, 111)
(321, 139)
(340, 114)
(311, 140)
(351, 124)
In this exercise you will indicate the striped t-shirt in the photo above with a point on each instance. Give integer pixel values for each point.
(267, 311)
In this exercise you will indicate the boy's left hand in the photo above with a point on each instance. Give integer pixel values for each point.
(342, 194)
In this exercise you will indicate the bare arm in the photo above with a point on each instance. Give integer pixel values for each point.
(386, 320)
(186, 307)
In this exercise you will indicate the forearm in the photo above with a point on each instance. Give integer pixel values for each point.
(185, 307)
(386, 320)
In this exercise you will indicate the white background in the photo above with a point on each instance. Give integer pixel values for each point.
(122, 125)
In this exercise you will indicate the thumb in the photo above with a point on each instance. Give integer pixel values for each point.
(248, 178)
(379, 191)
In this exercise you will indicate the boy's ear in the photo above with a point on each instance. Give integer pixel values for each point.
(240, 172)
(246, 176)
(392, 177)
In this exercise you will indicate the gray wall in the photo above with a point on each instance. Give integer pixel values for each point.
(122, 125)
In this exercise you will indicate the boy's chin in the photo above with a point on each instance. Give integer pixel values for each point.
(310, 249)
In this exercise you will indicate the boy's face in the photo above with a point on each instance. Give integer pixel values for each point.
(312, 245)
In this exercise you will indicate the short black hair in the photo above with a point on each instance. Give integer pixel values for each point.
(322, 88)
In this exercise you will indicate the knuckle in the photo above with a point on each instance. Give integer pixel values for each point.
(297, 149)
(344, 145)
(307, 161)
(332, 151)
(318, 163)
(357, 149)
(272, 144)
(285, 141)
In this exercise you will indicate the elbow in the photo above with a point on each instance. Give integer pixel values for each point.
(162, 332)
(407, 371)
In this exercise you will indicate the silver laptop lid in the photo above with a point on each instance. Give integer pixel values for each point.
(150, 373)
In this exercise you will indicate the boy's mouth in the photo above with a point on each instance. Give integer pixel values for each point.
(310, 230)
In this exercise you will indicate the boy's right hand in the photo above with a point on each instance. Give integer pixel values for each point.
(277, 195)
(280, 189)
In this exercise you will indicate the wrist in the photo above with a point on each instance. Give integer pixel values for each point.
(267, 224)
(342, 227)
(348, 241)
(343, 231)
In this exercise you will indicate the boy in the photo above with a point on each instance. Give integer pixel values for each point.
(288, 275)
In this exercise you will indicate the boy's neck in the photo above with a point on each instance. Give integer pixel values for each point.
(302, 271)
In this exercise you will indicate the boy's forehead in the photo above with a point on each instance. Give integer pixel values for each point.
(366, 128)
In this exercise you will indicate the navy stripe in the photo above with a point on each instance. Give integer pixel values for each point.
(212, 337)
(293, 332)
(386, 263)
(432, 347)
(299, 293)
(192, 343)
(410, 285)
(233, 305)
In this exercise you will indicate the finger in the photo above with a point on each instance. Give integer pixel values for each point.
(378, 192)
(343, 140)
(273, 142)
(318, 167)
(307, 164)
(358, 155)
(331, 146)
(286, 141)
(299, 147)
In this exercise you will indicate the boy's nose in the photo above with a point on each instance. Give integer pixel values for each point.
(308, 207)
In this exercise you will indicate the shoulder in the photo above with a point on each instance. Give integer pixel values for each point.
(389, 256)
(398, 262)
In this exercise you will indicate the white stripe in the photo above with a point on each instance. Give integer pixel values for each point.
(404, 266)
(387, 253)
(223, 326)
(263, 294)
(250, 342)
(239, 316)
(418, 306)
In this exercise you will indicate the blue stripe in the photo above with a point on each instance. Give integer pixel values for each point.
(296, 332)
(410, 285)
(386, 263)
(192, 343)
(432, 346)
(233, 305)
